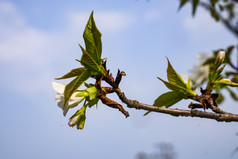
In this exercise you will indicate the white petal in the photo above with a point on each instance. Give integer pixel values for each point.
(59, 97)
(58, 87)
(61, 104)
(74, 100)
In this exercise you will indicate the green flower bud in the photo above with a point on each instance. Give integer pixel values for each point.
(78, 118)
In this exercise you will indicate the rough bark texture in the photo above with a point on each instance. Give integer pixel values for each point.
(176, 112)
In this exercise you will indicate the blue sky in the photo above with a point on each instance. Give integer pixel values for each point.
(39, 41)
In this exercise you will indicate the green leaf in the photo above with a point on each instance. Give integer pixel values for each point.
(188, 92)
(168, 99)
(92, 39)
(189, 84)
(92, 91)
(219, 71)
(88, 62)
(75, 84)
(225, 82)
(195, 5)
(92, 102)
(173, 87)
(73, 73)
(82, 93)
(173, 77)
(182, 3)
(92, 95)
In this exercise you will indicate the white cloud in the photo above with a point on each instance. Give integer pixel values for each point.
(18, 40)
(27, 52)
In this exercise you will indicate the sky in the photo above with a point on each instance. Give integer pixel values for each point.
(39, 41)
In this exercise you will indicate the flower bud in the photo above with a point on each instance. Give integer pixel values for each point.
(220, 58)
(78, 118)
(73, 121)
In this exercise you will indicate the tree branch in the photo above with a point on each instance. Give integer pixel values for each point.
(176, 112)
(219, 115)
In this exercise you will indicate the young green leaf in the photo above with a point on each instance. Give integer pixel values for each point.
(92, 39)
(82, 93)
(219, 71)
(168, 99)
(90, 94)
(75, 84)
(173, 87)
(73, 73)
(88, 62)
(225, 82)
(174, 78)
(92, 102)
(92, 91)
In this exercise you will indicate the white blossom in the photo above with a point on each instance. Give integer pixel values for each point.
(73, 101)
(199, 74)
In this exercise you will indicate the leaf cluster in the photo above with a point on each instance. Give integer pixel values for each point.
(214, 78)
(92, 67)
(179, 89)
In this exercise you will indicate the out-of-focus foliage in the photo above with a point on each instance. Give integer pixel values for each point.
(199, 74)
(225, 12)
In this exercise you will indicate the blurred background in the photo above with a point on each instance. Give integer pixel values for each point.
(39, 41)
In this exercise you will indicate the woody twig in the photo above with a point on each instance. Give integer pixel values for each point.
(102, 91)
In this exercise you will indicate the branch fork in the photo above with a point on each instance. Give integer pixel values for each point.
(103, 91)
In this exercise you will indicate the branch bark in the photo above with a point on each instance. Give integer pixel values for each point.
(176, 112)
(218, 114)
